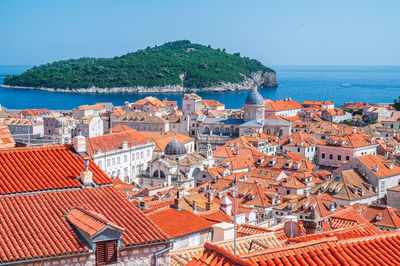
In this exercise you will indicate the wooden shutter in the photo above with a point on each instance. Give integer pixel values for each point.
(100, 253)
(111, 251)
(106, 252)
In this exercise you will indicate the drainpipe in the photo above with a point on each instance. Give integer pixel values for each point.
(160, 252)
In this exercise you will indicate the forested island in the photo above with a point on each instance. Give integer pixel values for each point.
(173, 66)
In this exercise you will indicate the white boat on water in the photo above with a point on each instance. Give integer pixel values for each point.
(345, 84)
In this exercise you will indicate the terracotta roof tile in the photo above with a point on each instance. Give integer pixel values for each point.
(43, 168)
(34, 225)
(378, 166)
(177, 223)
(6, 138)
(115, 141)
(281, 105)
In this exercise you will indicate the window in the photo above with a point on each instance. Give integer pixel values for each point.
(383, 186)
(141, 155)
(100, 164)
(323, 155)
(133, 156)
(106, 252)
(339, 157)
(118, 160)
(148, 153)
(125, 158)
(108, 162)
(347, 158)
(298, 149)
(113, 161)
(330, 156)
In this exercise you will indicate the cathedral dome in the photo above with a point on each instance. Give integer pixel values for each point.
(254, 97)
(175, 148)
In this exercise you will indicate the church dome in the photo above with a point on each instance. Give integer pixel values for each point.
(175, 148)
(254, 97)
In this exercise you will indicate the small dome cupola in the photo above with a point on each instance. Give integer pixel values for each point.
(254, 98)
(175, 148)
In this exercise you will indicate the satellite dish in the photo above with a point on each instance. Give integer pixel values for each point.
(291, 229)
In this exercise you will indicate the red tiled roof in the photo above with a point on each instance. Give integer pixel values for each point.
(43, 168)
(89, 221)
(371, 250)
(341, 234)
(35, 112)
(162, 138)
(299, 139)
(114, 141)
(376, 165)
(281, 105)
(389, 217)
(6, 138)
(216, 215)
(247, 230)
(214, 255)
(120, 128)
(34, 225)
(177, 223)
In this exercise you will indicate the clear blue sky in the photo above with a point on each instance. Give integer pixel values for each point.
(277, 32)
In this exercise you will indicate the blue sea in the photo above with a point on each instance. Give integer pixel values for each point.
(373, 84)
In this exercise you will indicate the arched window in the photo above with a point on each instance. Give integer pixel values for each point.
(155, 174)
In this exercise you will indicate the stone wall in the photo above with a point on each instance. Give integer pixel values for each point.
(140, 256)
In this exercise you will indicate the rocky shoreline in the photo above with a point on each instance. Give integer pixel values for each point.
(257, 79)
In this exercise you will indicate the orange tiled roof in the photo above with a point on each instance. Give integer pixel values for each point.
(355, 231)
(89, 221)
(319, 103)
(370, 250)
(216, 216)
(120, 128)
(349, 140)
(96, 107)
(300, 139)
(389, 217)
(34, 225)
(114, 141)
(177, 223)
(6, 138)
(280, 105)
(161, 139)
(212, 103)
(43, 168)
(247, 230)
(378, 166)
(35, 112)
(214, 255)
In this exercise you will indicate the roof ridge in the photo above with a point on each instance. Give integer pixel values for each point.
(313, 242)
(226, 254)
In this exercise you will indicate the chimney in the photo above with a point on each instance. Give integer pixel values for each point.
(87, 175)
(226, 205)
(178, 201)
(222, 231)
(194, 206)
(80, 144)
(125, 145)
(306, 193)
